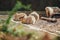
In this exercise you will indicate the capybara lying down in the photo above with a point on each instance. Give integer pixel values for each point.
(50, 11)
(23, 18)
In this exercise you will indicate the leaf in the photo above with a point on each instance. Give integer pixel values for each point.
(12, 12)
(16, 7)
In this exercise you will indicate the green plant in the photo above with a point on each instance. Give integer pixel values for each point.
(57, 38)
(12, 12)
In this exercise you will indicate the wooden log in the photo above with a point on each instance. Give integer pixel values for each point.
(49, 19)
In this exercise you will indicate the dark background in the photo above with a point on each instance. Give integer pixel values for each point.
(38, 5)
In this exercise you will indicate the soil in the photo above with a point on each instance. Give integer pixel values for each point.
(43, 24)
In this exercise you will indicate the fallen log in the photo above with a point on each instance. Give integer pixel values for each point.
(49, 19)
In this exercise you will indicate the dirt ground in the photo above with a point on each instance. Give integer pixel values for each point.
(49, 26)
(43, 24)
